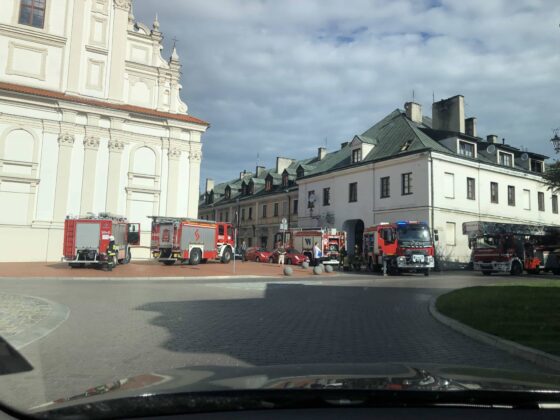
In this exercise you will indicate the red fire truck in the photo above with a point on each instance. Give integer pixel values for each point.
(86, 239)
(513, 248)
(400, 246)
(330, 241)
(190, 240)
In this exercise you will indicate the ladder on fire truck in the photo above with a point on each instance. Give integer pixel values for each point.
(473, 229)
(99, 216)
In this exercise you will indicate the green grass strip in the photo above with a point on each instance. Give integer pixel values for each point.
(528, 314)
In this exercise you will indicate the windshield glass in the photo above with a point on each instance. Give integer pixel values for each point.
(413, 233)
(150, 151)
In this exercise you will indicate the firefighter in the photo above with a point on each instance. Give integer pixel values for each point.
(112, 253)
(342, 256)
(357, 260)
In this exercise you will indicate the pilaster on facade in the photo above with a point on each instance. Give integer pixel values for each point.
(66, 144)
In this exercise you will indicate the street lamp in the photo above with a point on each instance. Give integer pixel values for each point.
(556, 141)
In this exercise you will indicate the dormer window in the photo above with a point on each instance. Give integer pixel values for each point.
(251, 188)
(228, 192)
(300, 172)
(244, 189)
(285, 179)
(357, 155)
(211, 197)
(505, 159)
(537, 166)
(406, 146)
(268, 184)
(467, 149)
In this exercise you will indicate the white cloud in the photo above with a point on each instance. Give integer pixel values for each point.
(277, 77)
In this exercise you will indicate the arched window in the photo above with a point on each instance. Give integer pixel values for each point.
(18, 146)
(32, 13)
(144, 161)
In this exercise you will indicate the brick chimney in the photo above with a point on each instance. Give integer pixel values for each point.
(449, 114)
(413, 111)
(209, 184)
(470, 127)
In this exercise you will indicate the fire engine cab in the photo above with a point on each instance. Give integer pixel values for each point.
(513, 248)
(190, 240)
(401, 246)
(86, 239)
(330, 242)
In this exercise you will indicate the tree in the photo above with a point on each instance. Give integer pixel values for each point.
(551, 177)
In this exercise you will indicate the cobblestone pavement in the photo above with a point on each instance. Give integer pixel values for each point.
(123, 328)
(19, 313)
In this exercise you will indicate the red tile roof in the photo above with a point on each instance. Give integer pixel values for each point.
(94, 102)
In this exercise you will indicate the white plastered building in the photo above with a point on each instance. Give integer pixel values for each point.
(409, 167)
(91, 120)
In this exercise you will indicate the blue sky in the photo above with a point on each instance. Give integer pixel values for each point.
(283, 77)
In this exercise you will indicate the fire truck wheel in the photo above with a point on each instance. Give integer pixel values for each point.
(516, 268)
(195, 257)
(226, 256)
(486, 272)
(427, 272)
(75, 265)
(257, 259)
(169, 262)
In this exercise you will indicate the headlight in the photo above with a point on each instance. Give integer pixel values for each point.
(401, 259)
(430, 259)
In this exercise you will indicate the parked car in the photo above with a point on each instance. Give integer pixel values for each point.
(293, 256)
(257, 254)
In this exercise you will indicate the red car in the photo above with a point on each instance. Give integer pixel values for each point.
(293, 256)
(257, 254)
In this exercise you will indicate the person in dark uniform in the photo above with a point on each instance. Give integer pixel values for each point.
(112, 253)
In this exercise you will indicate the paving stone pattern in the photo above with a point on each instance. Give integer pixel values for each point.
(19, 313)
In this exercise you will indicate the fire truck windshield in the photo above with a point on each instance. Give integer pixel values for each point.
(413, 233)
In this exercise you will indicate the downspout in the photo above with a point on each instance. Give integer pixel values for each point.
(431, 160)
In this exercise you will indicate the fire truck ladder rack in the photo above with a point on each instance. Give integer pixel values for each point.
(100, 216)
(494, 228)
(167, 219)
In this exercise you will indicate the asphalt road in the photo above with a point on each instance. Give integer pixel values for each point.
(116, 329)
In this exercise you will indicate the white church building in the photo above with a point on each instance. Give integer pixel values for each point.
(91, 120)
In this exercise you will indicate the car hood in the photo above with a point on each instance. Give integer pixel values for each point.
(372, 377)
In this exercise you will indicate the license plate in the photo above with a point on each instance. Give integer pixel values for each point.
(418, 258)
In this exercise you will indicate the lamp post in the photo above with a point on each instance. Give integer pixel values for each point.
(556, 140)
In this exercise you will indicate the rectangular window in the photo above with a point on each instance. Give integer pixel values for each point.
(541, 201)
(356, 155)
(506, 159)
(311, 199)
(526, 199)
(264, 208)
(250, 213)
(276, 206)
(511, 195)
(353, 192)
(449, 185)
(450, 233)
(494, 192)
(471, 189)
(32, 13)
(385, 187)
(555, 204)
(326, 196)
(406, 181)
(536, 166)
(295, 210)
(466, 149)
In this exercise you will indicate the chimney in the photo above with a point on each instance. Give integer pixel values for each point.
(492, 138)
(209, 184)
(321, 153)
(242, 174)
(449, 114)
(260, 170)
(470, 127)
(343, 145)
(282, 163)
(413, 111)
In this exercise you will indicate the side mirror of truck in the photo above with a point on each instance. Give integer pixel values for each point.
(134, 233)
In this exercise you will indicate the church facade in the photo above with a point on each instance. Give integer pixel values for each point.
(91, 120)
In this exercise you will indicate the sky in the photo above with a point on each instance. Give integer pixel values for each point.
(284, 77)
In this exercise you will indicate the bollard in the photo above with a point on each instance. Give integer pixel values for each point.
(317, 270)
(328, 269)
(288, 271)
(305, 264)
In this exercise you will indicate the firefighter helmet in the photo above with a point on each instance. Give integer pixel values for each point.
(111, 238)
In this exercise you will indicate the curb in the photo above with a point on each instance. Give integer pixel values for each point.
(538, 357)
(199, 278)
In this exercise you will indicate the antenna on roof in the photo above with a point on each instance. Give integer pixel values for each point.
(258, 158)
(412, 95)
(433, 97)
(326, 141)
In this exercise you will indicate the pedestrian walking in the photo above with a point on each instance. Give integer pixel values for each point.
(316, 254)
(243, 251)
(341, 256)
(281, 255)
